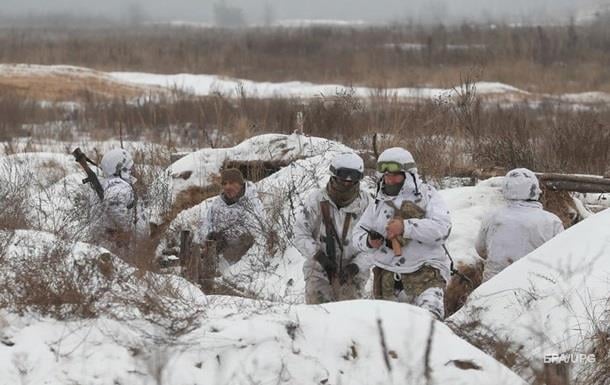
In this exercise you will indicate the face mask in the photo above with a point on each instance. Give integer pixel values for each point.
(340, 193)
(392, 190)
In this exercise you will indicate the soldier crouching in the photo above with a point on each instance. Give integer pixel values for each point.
(333, 269)
(403, 231)
(230, 224)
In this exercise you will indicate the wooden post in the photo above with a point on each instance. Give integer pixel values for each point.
(208, 267)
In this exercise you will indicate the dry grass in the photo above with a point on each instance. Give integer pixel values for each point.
(447, 137)
(67, 88)
(544, 59)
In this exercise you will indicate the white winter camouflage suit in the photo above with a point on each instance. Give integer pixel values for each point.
(242, 218)
(426, 237)
(512, 232)
(309, 234)
(119, 218)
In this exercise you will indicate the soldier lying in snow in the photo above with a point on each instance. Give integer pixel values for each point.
(333, 269)
(510, 233)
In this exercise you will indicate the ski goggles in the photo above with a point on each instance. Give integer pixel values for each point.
(384, 167)
(347, 174)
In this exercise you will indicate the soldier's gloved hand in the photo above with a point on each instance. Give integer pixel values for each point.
(328, 264)
(212, 236)
(217, 237)
(374, 240)
(348, 273)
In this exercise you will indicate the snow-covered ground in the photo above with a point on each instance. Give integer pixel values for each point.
(244, 342)
(208, 84)
(552, 301)
(279, 276)
(276, 338)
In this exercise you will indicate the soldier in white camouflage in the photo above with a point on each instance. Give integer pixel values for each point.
(403, 232)
(333, 269)
(120, 219)
(233, 218)
(522, 225)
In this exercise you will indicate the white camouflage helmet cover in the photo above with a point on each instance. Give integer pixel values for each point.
(347, 160)
(401, 156)
(117, 162)
(521, 184)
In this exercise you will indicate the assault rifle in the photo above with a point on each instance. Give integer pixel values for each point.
(82, 159)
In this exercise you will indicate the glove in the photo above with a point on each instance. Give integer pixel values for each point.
(217, 237)
(329, 265)
(348, 273)
(373, 236)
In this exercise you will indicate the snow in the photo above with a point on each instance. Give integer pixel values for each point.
(277, 338)
(203, 84)
(232, 87)
(279, 276)
(421, 46)
(208, 84)
(549, 301)
(205, 164)
(244, 342)
(586, 98)
(305, 23)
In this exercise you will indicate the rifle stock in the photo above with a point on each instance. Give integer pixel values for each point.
(91, 178)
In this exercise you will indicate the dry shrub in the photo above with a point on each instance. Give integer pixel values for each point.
(541, 57)
(561, 204)
(578, 142)
(58, 289)
(191, 197)
(53, 279)
(502, 349)
(13, 197)
(458, 289)
(599, 372)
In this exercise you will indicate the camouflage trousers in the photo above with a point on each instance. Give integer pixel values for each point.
(424, 288)
(319, 290)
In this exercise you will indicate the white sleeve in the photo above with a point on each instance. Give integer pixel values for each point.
(434, 228)
(305, 228)
(359, 235)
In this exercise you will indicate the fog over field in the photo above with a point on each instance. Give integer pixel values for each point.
(257, 11)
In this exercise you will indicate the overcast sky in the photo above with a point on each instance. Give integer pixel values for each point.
(367, 10)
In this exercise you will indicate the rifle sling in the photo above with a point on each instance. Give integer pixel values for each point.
(331, 232)
(330, 228)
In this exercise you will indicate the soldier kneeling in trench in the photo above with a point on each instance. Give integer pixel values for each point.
(229, 226)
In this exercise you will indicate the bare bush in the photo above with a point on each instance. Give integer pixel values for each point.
(71, 281)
